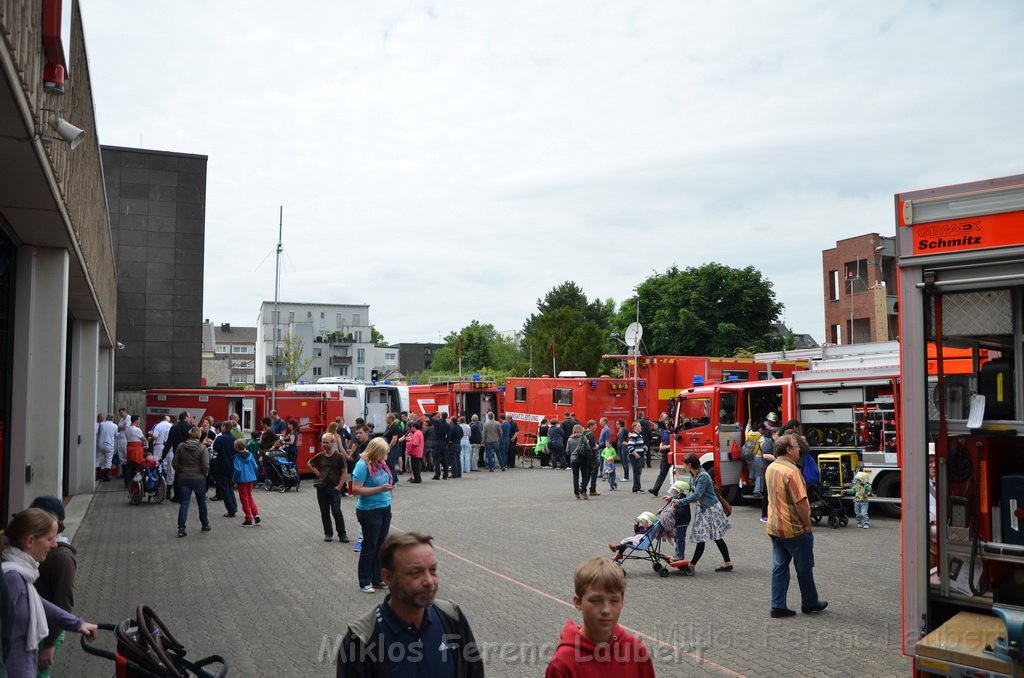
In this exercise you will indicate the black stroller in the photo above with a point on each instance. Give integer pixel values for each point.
(279, 472)
(825, 504)
(146, 649)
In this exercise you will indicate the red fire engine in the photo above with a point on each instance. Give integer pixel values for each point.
(313, 411)
(645, 390)
(459, 397)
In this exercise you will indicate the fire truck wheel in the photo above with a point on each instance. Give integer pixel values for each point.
(889, 486)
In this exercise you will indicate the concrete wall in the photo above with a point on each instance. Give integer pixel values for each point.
(157, 204)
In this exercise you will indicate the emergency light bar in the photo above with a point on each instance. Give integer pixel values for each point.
(993, 201)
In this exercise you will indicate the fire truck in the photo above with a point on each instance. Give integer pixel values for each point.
(847, 402)
(649, 382)
(359, 399)
(312, 411)
(961, 287)
(457, 396)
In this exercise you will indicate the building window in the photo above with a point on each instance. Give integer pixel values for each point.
(520, 394)
(355, 319)
(241, 348)
(322, 315)
(317, 371)
(275, 317)
(836, 335)
(561, 396)
(291, 316)
(427, 351)
(222, 349)
(360, 355)
(856, 276)
(389, 356)
(343, 372)
(361, 373)
(243, 379)
(359, 336)
(833, 285)
(338, 321)
(318, 352)
(343, 352)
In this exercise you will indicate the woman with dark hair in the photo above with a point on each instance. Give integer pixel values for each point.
(290, 441)
(709, 523)
(414, 449)
(578, 449)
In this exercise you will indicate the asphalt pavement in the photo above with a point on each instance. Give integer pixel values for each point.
(274, 600)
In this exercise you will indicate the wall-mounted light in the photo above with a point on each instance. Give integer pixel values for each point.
(62, 128)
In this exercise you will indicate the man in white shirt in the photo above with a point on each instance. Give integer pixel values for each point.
(106, 431)
(124, 420)
(159, 437)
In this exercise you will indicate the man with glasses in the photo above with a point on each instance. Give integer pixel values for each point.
(790, 529)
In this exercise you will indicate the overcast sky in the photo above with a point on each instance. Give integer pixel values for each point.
(451, 161)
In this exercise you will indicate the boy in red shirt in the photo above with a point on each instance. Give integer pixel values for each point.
(600, 647)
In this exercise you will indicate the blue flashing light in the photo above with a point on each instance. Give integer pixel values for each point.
(387, 382)
(501, 389)
(698, 380)
(733, 377)
(593, 384)
(476, 377)
(414, 382)
(643, 383)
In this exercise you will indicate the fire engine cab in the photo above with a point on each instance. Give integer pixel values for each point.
(961, 287)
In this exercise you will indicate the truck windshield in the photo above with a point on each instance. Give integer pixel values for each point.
(694, 412)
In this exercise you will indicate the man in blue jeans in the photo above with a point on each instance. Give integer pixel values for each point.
(790, 529)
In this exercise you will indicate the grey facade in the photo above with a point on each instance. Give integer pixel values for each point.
(415, 358)
(157, 203)
(58, 292)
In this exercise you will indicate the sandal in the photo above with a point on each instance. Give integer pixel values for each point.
(724, 568)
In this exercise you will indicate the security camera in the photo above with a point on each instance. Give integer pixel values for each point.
(66, 131)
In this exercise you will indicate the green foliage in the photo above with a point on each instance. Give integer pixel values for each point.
(376, 337)
(289, 354)
(481, 348)
(577, 343)
(570, 295)
(711, 310)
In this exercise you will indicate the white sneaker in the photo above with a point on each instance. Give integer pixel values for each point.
(367, 589)
(866, 527)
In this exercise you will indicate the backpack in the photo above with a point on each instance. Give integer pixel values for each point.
(747, 452)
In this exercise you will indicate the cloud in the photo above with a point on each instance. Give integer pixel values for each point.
(454, 161)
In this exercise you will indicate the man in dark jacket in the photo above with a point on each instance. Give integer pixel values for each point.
(455, 434)
(177, 435)
(224, 467)
(410, 627)
(442, 460)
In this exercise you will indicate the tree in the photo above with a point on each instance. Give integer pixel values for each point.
(376, 337)
(570, 295)
(290, 357)
(480, 347)
(708, 310)
(566, 336)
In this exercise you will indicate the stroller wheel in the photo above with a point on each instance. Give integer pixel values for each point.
(663, 571)
(657, 567)
(816, 518)
(161, 491)
(833, 521)
(268, 484)
(843, 520)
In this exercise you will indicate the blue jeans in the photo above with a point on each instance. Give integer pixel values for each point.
(624, 458)
(375, 524)
(800, 550)
(860, 509)
(187, 488)
(494, 450)
(467, 459)
(681, 541)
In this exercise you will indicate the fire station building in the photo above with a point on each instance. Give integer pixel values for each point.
(58, 291)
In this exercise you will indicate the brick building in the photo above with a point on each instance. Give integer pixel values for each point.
(860, 290)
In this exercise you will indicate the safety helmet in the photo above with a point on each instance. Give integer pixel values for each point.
(680, 487)
(862, 476)
(772, 417)
(647, 517)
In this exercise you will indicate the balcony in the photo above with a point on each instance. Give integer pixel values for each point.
(341, 361)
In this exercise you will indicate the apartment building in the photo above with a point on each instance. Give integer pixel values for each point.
(860, 290)
(229, 354)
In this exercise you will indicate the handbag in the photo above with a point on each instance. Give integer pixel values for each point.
(726, 506)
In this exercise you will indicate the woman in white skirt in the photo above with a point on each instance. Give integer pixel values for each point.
(709, 523)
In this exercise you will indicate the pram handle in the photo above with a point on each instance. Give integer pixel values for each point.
(96, 651)
(195, 666)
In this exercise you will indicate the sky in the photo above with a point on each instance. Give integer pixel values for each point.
(447, 162)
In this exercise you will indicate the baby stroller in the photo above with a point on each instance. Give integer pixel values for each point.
(146, 649)
(824, 503)
(645, 544)
(149, 483)
(279, 472)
